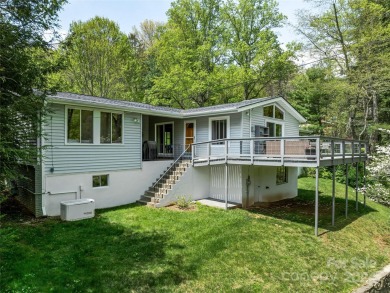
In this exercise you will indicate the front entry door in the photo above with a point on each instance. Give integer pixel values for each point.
(189, 134)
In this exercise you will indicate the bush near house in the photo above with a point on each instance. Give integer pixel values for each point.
(135, 248)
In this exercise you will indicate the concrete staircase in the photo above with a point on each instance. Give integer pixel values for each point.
(160, 189)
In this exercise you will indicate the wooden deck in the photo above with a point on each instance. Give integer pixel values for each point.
(309, 151)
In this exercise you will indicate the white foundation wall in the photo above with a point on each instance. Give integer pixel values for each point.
(193, 183)
(124, 187)
(263, 187)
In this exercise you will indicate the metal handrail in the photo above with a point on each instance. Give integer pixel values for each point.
(173, 164)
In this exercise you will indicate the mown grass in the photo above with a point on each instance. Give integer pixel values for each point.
(135, 248)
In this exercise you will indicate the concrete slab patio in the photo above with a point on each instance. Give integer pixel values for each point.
(215, 203)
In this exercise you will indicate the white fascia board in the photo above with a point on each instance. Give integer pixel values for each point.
(211, 113)
(114, 107)
(280, 100)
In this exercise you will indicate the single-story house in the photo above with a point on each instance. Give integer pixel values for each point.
(118, 152)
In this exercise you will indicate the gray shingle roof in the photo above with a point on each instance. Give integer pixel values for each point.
(70, 97)
(145, 108)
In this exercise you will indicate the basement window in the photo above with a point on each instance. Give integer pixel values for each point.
(281, 175)
(100, 180)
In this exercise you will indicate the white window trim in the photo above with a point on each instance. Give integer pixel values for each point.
(96, 126)
(66, 125)
(123, 127)
(276, 121)
(105, 186)
(227, 118)
(281, 109)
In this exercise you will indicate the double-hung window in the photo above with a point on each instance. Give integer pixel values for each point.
(110, 127)
(80, 126)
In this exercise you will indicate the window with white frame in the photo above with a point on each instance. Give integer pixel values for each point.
(100, 180)
(79, 126)
(219, 128)
(273, 111)
(281, 175)
(275, 129)
(110, 127)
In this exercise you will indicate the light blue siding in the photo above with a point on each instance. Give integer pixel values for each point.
(73, 158)
(291, 126)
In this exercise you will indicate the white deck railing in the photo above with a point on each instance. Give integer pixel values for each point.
(312, 150)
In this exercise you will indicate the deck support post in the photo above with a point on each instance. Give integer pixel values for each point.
(364, 182)
(226, 185)
(346, 191)
(357, 186)
(333, 194)
(316, 204)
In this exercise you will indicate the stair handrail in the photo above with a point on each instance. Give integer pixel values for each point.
(173, 164)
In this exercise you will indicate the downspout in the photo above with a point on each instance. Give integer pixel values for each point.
(248, 184)
(42, 163)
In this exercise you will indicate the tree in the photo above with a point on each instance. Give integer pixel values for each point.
(311, 93)
(96, 54)
(188, 55)
(142, 67)
(252, 48)
(352, 39)
(23, 25)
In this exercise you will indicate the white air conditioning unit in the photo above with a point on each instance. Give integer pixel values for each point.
(77, 209)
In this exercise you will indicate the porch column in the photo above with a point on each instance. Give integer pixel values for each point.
(333, 195)
(226, 185)
(346, 191)
(357, 187)
(364, 183)
(316, 205)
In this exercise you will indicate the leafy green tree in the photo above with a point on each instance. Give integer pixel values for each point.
(352, 38)
(96, 57)
(188, 55)
(253, 51)
(24, 26)
(142, 67)
(311, 93)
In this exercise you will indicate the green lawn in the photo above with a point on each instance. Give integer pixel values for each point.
(141, 249)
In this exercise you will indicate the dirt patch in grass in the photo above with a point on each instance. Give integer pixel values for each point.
(291, 205)
(175, 207)
(12, 210)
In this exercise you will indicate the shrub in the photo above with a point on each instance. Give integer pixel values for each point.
(183, 201)
(379, 193)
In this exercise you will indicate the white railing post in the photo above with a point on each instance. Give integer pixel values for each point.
(208, 152)
(318, 150)
(251, 149)
(192, 154)
(332, 149)
(226, 150)
(343, 151)
(282, 151)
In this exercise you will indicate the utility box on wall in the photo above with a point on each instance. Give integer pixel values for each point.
(77, 209)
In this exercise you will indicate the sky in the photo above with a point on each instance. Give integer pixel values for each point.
(129, 13)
